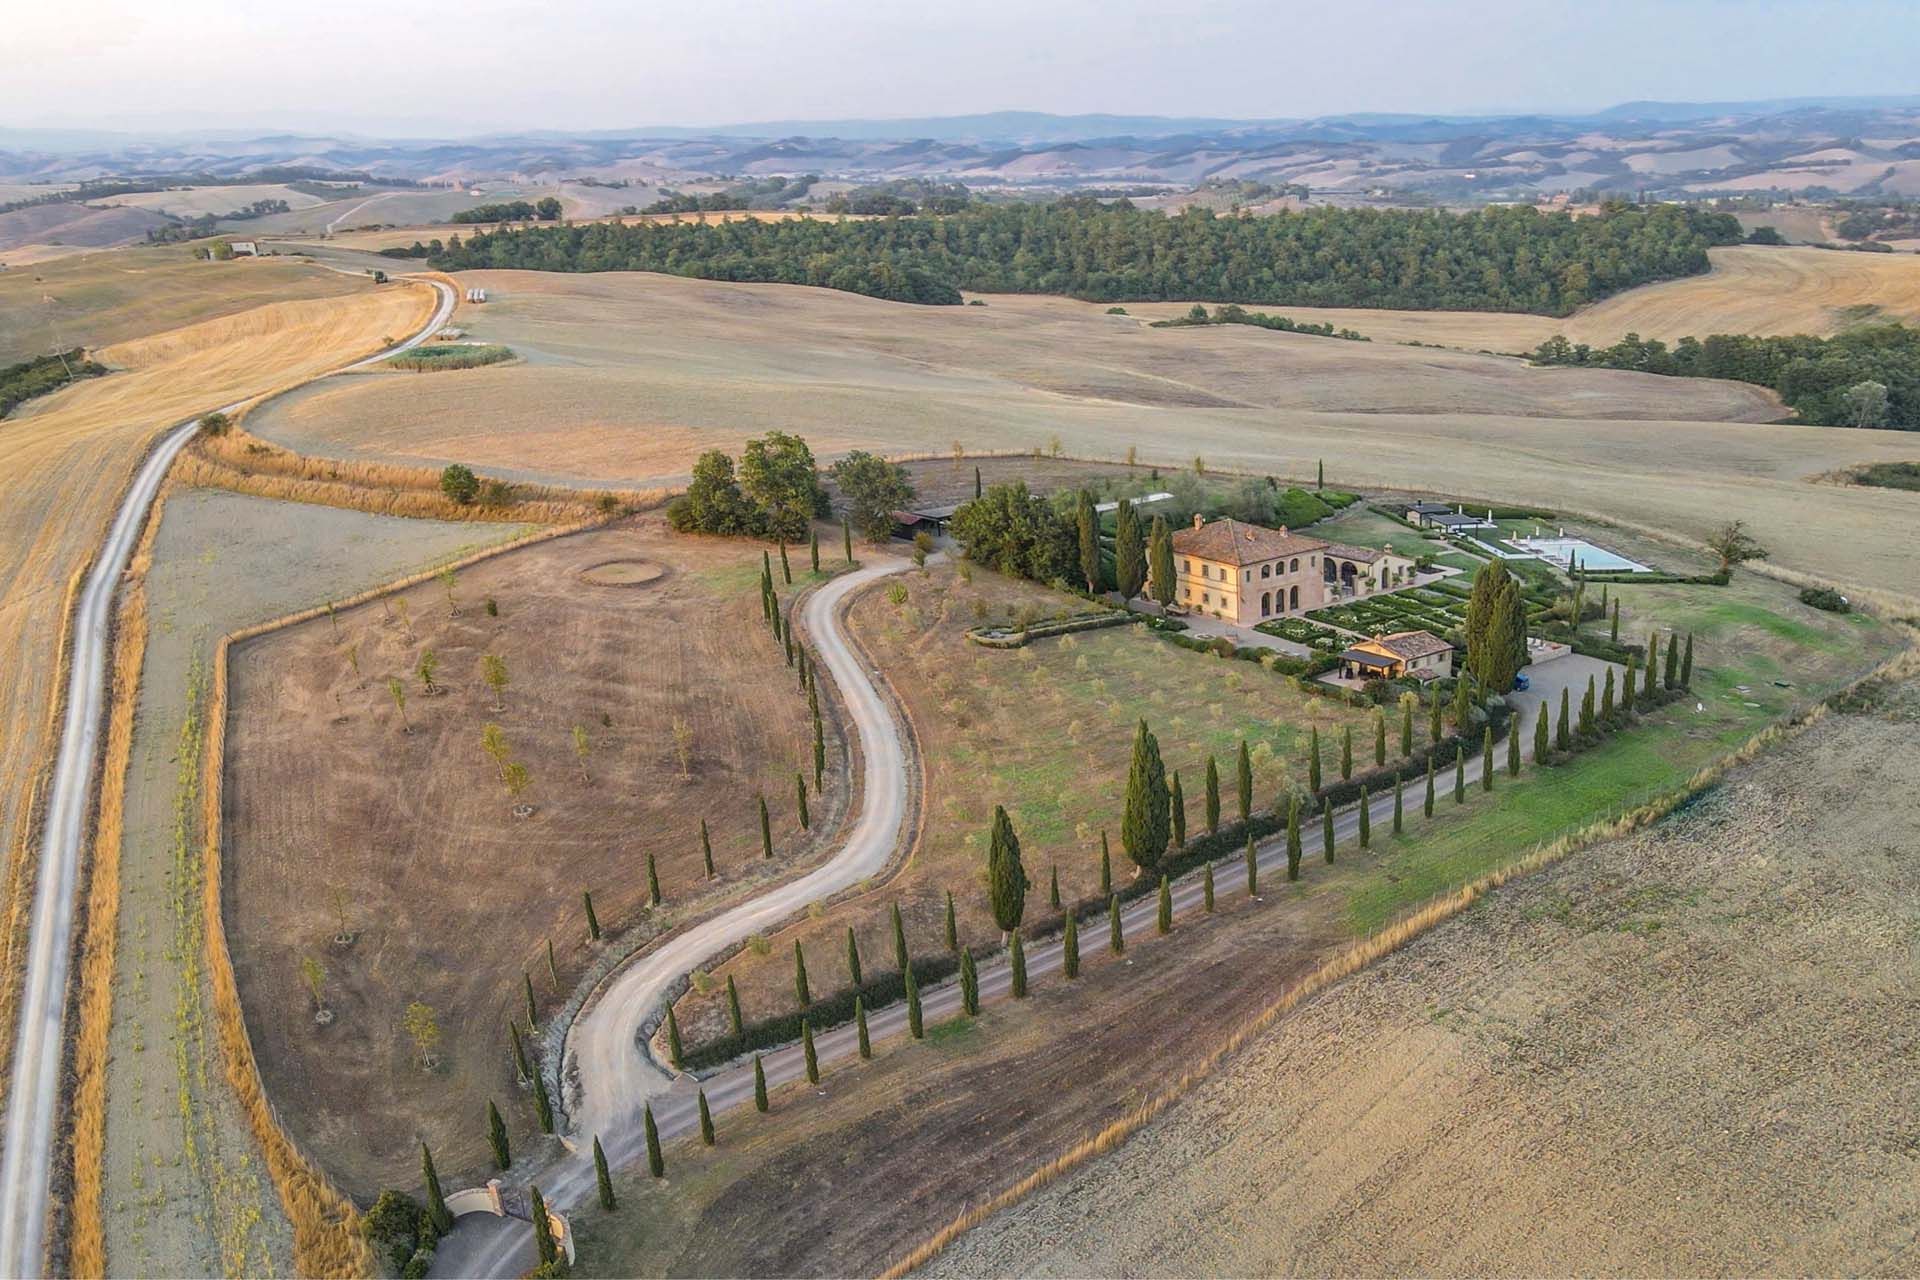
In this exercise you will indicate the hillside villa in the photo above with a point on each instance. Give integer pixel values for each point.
(1246, 573)
(1419, 654)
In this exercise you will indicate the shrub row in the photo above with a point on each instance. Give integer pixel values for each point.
(1718, 579)
(1014, 638)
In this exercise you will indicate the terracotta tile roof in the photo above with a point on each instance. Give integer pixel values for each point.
(1365, 555)
(1234, 542)
(1412, 644)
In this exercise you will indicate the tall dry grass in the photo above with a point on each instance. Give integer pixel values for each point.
(246, 464)
(93, 1012)
(1378, 945)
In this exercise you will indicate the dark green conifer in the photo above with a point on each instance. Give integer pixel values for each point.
(1672, 678)
(1399, 820)
(1614, 635)
(1017, 961)
(1686, 665)
(1116, 940)
(1177, 810)
(914, 1024)
(1106, 866)
(542, 1105)
(800, 800)
(1406, 726)
(1366, 820)
(497, 1137)
(653, 881)
(1070, 948)
(1540, 736)
(1006, 876)
(593, 924)
(1293, 837)
(1379, 737)
(733, 1006)
(1346, 753)
(519, 1052)
(437, 1211)
(706, 1120)
(1313, 760)
(759, 1085)
(1486, 759)
(899, 941)
(602, 1177)
(1164, 921)
(807, 1050)
(1427, 805)
(1145, 825)
(786, 570)
(800, 989)
(1562, 732)
(1513, 748)
(813, 548)
(1206, 886)
(1433, 717)
(533, 1010)
(544, 1247)
(706, 848)
(969, 985)
(860, 1024)
(953, 925)
(1244, 775)
(1253, 868)
(1460, 773)
(766, 833)
(656, 1161)
(674, 1051)
(846, 537)
(1213, 797)
(1053, 887)
(853, 958)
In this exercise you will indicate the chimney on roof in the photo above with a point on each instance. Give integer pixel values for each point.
(1283, 531)
(1198, 519)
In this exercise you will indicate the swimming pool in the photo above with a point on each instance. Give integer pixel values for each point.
(1560, 550)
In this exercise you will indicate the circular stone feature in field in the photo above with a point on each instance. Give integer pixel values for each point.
(623, 573)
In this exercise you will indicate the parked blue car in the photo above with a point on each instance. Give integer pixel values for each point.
(1521, 683)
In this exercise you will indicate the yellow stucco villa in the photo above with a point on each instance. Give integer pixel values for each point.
(1246, 573)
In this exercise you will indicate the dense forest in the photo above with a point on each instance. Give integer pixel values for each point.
(1866, 377)
(1496, 259)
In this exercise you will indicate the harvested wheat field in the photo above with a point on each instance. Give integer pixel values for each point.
(627, 377)
(95, 299)
(349, 816)
(1686, 1051)
(1751, 289)
(174, 1135)
(66, 460)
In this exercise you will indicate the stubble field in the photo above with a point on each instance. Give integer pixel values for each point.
(333, 806)
(627, 377)
(1685, 1051)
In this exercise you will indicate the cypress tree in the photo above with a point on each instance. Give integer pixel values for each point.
(1606, 700)
(1313, 760)
(1017, 959)
(1486, 759)
(437, 1211)
(1562, 737)
(602, 1177)
(497, 1137)
(1006, 877)
(953, 925)
(674, 1050)
(914, 1024)
(1245, 775)
(1320, 477)
(553, 970)
(1213, 797)
(706, 1120)
(533, 1010)
(807, 1050)
(860, 1024)
(653, 882)
(1433, 718)
(1144, 826)
(1160, 575)
(1070, 948)
(1164, 922)
(1106, 866)
(1462, 690)
(1686, 665)
(1379, 736)
(656, 1162)
(1346, 754)
(1129, 551)
(800, 990)
(706, 848)
(1587, 711)
(733, 1006)
(1406, 724)
(543, 1246)
(1460, 774)
(1206, 885)
(766, 831)
(1626, 688)
(819, 751)
(1513, 750)
(846, 536)
(1614, 635)
(1293, 838)
(519, 1052)
(1366, 820)
(853, 958)
(813, 548)
(800, 800)
(976, 482)
(1116, 940)
(786, 570)
(1326, 832)
(759, 1085)
(1087, 526)
(786, 636)
(593, 924)
(542, 1106)
(1399, 822)
(969, 985)
(1427, 806)
(1540, 736)
(1672, 680)
(1653, 669)
(899, 941)
(1177, 810)
(1053, 887)
(1253, 868)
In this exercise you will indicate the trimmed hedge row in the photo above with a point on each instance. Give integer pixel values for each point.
(878, 991)
(1719, 579)
(1016, 637)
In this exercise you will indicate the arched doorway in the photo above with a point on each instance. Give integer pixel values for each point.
(1294, 592)
(1266, 604)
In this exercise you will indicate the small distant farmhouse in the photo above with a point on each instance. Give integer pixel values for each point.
(1419, 654)
(1245, 573)
(245, 249)
(1438, 515)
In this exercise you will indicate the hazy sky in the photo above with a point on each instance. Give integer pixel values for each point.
(483, 65)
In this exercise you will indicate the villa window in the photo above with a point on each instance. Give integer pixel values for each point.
(1186, 566)
(1249, 575)
(1266, 571)
(1296, 565)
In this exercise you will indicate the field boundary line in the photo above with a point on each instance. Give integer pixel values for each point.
(1392, 938)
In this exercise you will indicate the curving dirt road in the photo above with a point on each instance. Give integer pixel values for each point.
(40, 1039)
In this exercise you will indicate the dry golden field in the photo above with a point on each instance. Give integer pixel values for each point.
(627, 377)
(94, 299)
(65, 461)
(1685, 1051)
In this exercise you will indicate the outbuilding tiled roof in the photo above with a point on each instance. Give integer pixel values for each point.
(1237, 543)
(1412, 644)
